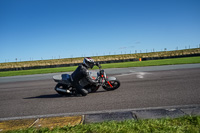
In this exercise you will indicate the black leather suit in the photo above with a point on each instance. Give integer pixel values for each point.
(81, 72)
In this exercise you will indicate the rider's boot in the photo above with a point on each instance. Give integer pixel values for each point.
(83, 92)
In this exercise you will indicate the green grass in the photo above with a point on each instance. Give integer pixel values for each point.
(186, 60)
(186, 124)
(36, 71)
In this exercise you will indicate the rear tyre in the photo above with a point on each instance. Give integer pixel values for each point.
(115, 84)
(61, 89)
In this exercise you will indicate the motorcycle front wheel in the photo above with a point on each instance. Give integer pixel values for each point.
(114, 85)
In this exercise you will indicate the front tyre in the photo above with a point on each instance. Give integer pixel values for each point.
(115, 84)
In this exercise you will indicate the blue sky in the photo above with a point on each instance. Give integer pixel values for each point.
(49, 29)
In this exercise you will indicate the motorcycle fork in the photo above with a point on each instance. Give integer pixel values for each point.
(104, 78)
(110, 84)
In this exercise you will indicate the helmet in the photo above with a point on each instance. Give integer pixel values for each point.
(88, 62)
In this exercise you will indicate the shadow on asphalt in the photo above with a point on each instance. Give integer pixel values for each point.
(59, 96)
(46, 96)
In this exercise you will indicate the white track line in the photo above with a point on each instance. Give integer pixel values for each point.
(138, 74)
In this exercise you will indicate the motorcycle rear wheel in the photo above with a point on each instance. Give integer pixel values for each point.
(62, 87)
(115, 84)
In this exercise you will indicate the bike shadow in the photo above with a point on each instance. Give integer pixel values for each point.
(59, 96)
(45, 96)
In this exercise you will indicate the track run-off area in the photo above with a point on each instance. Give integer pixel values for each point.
(141, 87)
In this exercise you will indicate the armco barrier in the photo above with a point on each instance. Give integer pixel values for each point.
(101, 62)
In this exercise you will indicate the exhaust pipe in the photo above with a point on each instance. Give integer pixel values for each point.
(63, 90)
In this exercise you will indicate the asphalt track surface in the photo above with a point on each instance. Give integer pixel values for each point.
(144, 87)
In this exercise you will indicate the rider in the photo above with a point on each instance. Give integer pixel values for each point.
(82, 72)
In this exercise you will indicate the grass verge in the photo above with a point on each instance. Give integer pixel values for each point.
(52, 62)
(186, 60)
(188, 124)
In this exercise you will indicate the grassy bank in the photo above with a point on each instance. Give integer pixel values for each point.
(185, 124)
(186, 60)
(99, 58)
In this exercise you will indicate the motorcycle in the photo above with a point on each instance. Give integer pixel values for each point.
(65, 87)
